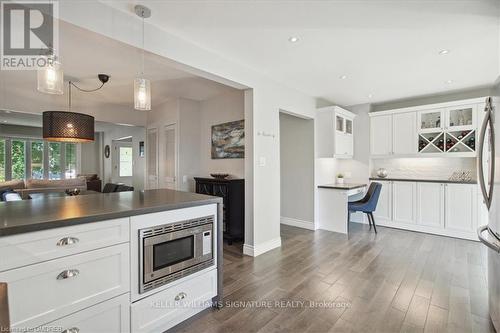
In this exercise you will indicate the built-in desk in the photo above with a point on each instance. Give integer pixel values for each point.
(333, 200)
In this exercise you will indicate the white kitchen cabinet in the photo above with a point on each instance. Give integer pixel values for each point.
(384, 205)
(112, 316)
(404, 203)
(430, 121)
(62, 286)
(430, 204)
(381, 135)
(334, 132)
(461, 117)
(404, 138)
(461, 207)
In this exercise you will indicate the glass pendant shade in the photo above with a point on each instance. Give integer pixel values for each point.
(62, 126)
(50, 79)
(142, 94)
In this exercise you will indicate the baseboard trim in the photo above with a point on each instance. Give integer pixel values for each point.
(257, 250)
(297, 223)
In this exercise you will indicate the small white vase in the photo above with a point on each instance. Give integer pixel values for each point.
(340, 180)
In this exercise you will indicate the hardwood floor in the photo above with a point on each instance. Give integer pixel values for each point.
(395, 281)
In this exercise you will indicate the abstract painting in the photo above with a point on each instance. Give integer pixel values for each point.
(228, 140)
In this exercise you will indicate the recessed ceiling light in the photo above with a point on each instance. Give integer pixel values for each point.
(443, 52)
(343, 77)
(370, 95)
(448, 82)
(293, 39)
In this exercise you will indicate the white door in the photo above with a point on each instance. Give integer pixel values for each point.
(381, 135)
(404, 206)
(461, 207)
(430, 204)
(123, 163)
(404, 138)
(152, 158)
(170, 162)
(384, 205)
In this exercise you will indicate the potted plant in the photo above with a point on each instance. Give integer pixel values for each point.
(340, 178)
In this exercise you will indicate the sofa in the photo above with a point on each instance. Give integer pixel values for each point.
(25, 187)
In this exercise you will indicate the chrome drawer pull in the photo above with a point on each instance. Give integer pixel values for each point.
(67, 241)
(71, 330)
(69, 273)
(180, 296)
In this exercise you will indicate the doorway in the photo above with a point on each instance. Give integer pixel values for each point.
(296, 171)
(123, 164)
(170, 162)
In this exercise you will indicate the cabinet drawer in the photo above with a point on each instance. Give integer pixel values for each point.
(165, 309)
(35, 247)
(112, 316)
(41, 293)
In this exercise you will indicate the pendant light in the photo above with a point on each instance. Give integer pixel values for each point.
(67, 126)
(50, 77)
(142, 86)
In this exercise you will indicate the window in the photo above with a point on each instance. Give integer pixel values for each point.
(125, 161)
(18, 153)
(2, 160)
(55, 160)
(37, 159)
(70, 161)
(22, 158)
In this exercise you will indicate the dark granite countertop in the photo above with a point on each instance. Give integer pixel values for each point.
(33, 215)
(345, 186)
(425, 180)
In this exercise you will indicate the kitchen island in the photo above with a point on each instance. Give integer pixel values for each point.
(75, 263)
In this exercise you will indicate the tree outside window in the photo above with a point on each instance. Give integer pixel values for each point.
(37, 160)
(55, 160)
(2, 160)
(18, 159)
(70, 161)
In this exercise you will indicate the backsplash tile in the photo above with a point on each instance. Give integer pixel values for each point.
(425, 168)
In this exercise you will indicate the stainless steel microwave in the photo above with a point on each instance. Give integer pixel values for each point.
(171, 251)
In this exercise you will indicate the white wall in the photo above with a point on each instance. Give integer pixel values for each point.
(221, 109)
(268, 98)
(297, 169)
(91, 157)
(189, 143)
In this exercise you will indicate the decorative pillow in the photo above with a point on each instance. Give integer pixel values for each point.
(12, 184)
(11, 196)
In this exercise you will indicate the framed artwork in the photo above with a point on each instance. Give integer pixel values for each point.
(228, 140)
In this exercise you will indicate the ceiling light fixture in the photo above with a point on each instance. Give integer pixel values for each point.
(448, 82)
(50, 79)
(370, 95)
(293, 39)
(67, 126)
(343, 77)
(142, 86)
(443, 52)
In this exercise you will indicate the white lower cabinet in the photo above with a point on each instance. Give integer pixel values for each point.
(44, 292)
(163, 310)
(461, 207)
(430, 204)
(112, 316)
(403, 202)
(384, 206)
(454, 210)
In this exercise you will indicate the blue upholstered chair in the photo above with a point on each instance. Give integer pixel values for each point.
(368, 204)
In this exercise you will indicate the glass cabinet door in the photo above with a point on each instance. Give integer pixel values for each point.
(430, 121)
(462, 117)
(348, 126)
(339, 123)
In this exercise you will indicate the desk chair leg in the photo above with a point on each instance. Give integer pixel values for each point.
(348, 219)
(369, 220)
(373, 221)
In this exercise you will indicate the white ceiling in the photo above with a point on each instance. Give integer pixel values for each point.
(83, 55)
(388, 49)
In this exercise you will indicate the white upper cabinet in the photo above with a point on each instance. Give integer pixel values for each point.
(404, 140)
(334, 132)
(381, 135)
(445, 129)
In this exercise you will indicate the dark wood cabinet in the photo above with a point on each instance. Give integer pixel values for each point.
(233, 193)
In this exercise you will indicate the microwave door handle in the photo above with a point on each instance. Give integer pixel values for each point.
(487, 194)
